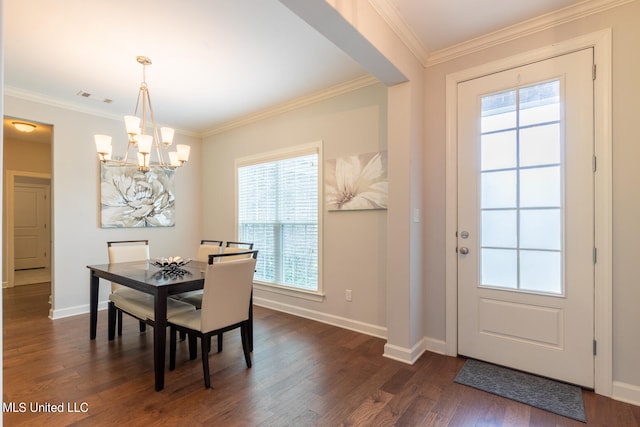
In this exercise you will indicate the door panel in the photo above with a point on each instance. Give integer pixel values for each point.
(525, 218)
(31, 237)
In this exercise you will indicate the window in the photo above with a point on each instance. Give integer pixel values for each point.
(278, 200)
(522, 189)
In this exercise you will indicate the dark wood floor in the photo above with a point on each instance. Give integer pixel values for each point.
(304, 373)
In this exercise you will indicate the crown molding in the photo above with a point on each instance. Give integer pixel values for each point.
(523, 29)
(360, 82)
(53, 102)
(398, 25)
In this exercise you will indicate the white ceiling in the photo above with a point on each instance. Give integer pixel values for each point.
(213, 60)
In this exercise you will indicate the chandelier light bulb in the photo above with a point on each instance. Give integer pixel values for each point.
(175, 160)
(144, 143)
(167, 135)
(132, 123)
(183, 152)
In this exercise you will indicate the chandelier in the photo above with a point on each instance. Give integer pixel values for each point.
(147, 145)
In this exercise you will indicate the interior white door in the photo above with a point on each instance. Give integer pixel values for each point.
(31, 235)
(526, 218)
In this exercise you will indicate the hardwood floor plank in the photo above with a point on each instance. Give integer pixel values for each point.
(304, 373)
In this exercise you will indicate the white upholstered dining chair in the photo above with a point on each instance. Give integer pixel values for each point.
(226, 301)
(206, 247)
(130, 301)
(234, 250)
(230, 253)
(235, 247)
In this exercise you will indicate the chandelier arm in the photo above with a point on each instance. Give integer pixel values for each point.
(155, 132)
(135, 112)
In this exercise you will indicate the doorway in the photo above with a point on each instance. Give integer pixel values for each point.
(27, 203)
(31, 230)
(600, 41)
(526, 218)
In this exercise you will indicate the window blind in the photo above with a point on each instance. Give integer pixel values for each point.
(278, 212)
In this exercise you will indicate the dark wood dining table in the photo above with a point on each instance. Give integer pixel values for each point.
(146, 277)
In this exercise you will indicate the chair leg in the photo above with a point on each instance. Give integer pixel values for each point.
(172, 348)
(119, 322)
(183, 335)
(245, 343)
(193, 346)
(143, 326)
(205, 344)
(111, 308)
(219, 342)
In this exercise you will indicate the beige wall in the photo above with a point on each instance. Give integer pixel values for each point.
(27, 156)
(78, 240)
(354, 242)
(626, 176)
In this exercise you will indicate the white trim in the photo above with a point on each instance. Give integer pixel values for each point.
(66, 105)
(291, 292)
(399, 26)
(389, 12)
(74, 311)
(54, 102)
(601, 42)
(436, 346)
(403, 354)
(523, 29)
(330, 319)
(350, 86)
(411, 355)
(628, 393)
(340, 89)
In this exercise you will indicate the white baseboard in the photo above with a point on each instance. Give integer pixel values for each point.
(627, 393)
(342, 322)
(74, 311)
(401, 354)
(411, 355)
(436, 346)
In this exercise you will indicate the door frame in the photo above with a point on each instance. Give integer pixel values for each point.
(600, 41)
(10, 180)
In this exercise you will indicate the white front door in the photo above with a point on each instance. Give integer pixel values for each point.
(526, 218)
(31, 226)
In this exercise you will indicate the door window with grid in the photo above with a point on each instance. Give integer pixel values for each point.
(522, 188)
(278, 211)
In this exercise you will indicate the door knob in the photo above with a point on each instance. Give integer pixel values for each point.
(463, 250)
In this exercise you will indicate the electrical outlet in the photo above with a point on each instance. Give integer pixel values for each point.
(347, 294)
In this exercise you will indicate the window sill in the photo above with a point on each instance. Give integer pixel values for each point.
(283, 290)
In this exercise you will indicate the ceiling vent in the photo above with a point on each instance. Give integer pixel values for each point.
(88, 95)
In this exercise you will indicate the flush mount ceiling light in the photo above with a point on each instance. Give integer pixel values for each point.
(147, 144)
(24, 127)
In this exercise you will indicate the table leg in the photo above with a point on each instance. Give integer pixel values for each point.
(250, 325)
(160, 336)
(94, 286)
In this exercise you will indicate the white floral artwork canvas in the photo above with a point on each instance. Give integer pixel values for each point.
(130, 198)
(357, 182)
